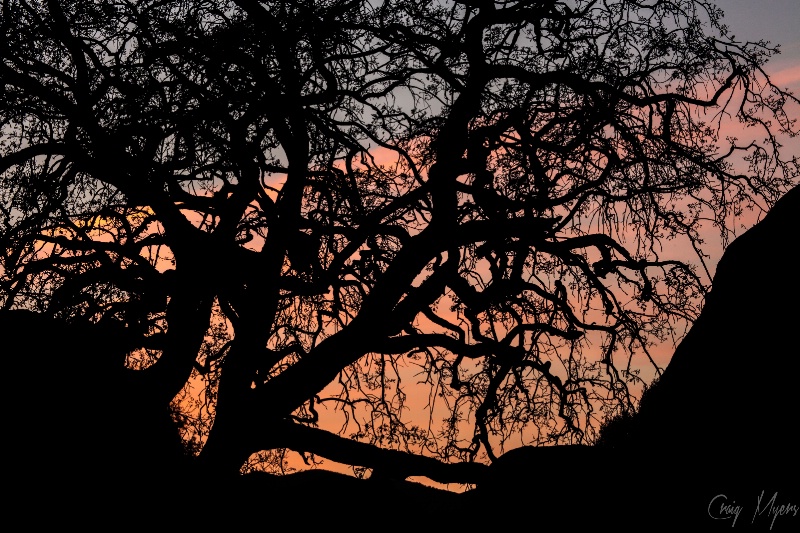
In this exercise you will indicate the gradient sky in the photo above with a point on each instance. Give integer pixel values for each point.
(776, 21)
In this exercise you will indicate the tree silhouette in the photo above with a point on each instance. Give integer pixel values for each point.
(238, 218)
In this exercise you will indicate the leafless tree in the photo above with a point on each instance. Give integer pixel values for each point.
(297, 212)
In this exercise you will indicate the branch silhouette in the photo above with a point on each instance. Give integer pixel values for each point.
(270, 226)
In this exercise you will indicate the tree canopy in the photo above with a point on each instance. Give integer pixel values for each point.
(300, 224)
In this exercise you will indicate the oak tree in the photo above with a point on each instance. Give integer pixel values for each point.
(401, 235)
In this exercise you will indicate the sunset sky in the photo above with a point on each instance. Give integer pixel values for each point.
(323, 233)
(776, 21)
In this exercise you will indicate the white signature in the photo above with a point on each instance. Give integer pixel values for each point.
(721, 508)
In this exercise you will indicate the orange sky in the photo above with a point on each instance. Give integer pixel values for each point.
(774, 20)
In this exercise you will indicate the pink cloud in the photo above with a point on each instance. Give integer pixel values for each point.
(787, 77)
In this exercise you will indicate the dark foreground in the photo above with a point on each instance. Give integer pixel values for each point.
(713, 445)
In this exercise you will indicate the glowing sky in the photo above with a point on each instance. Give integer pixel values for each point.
(776, 21)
